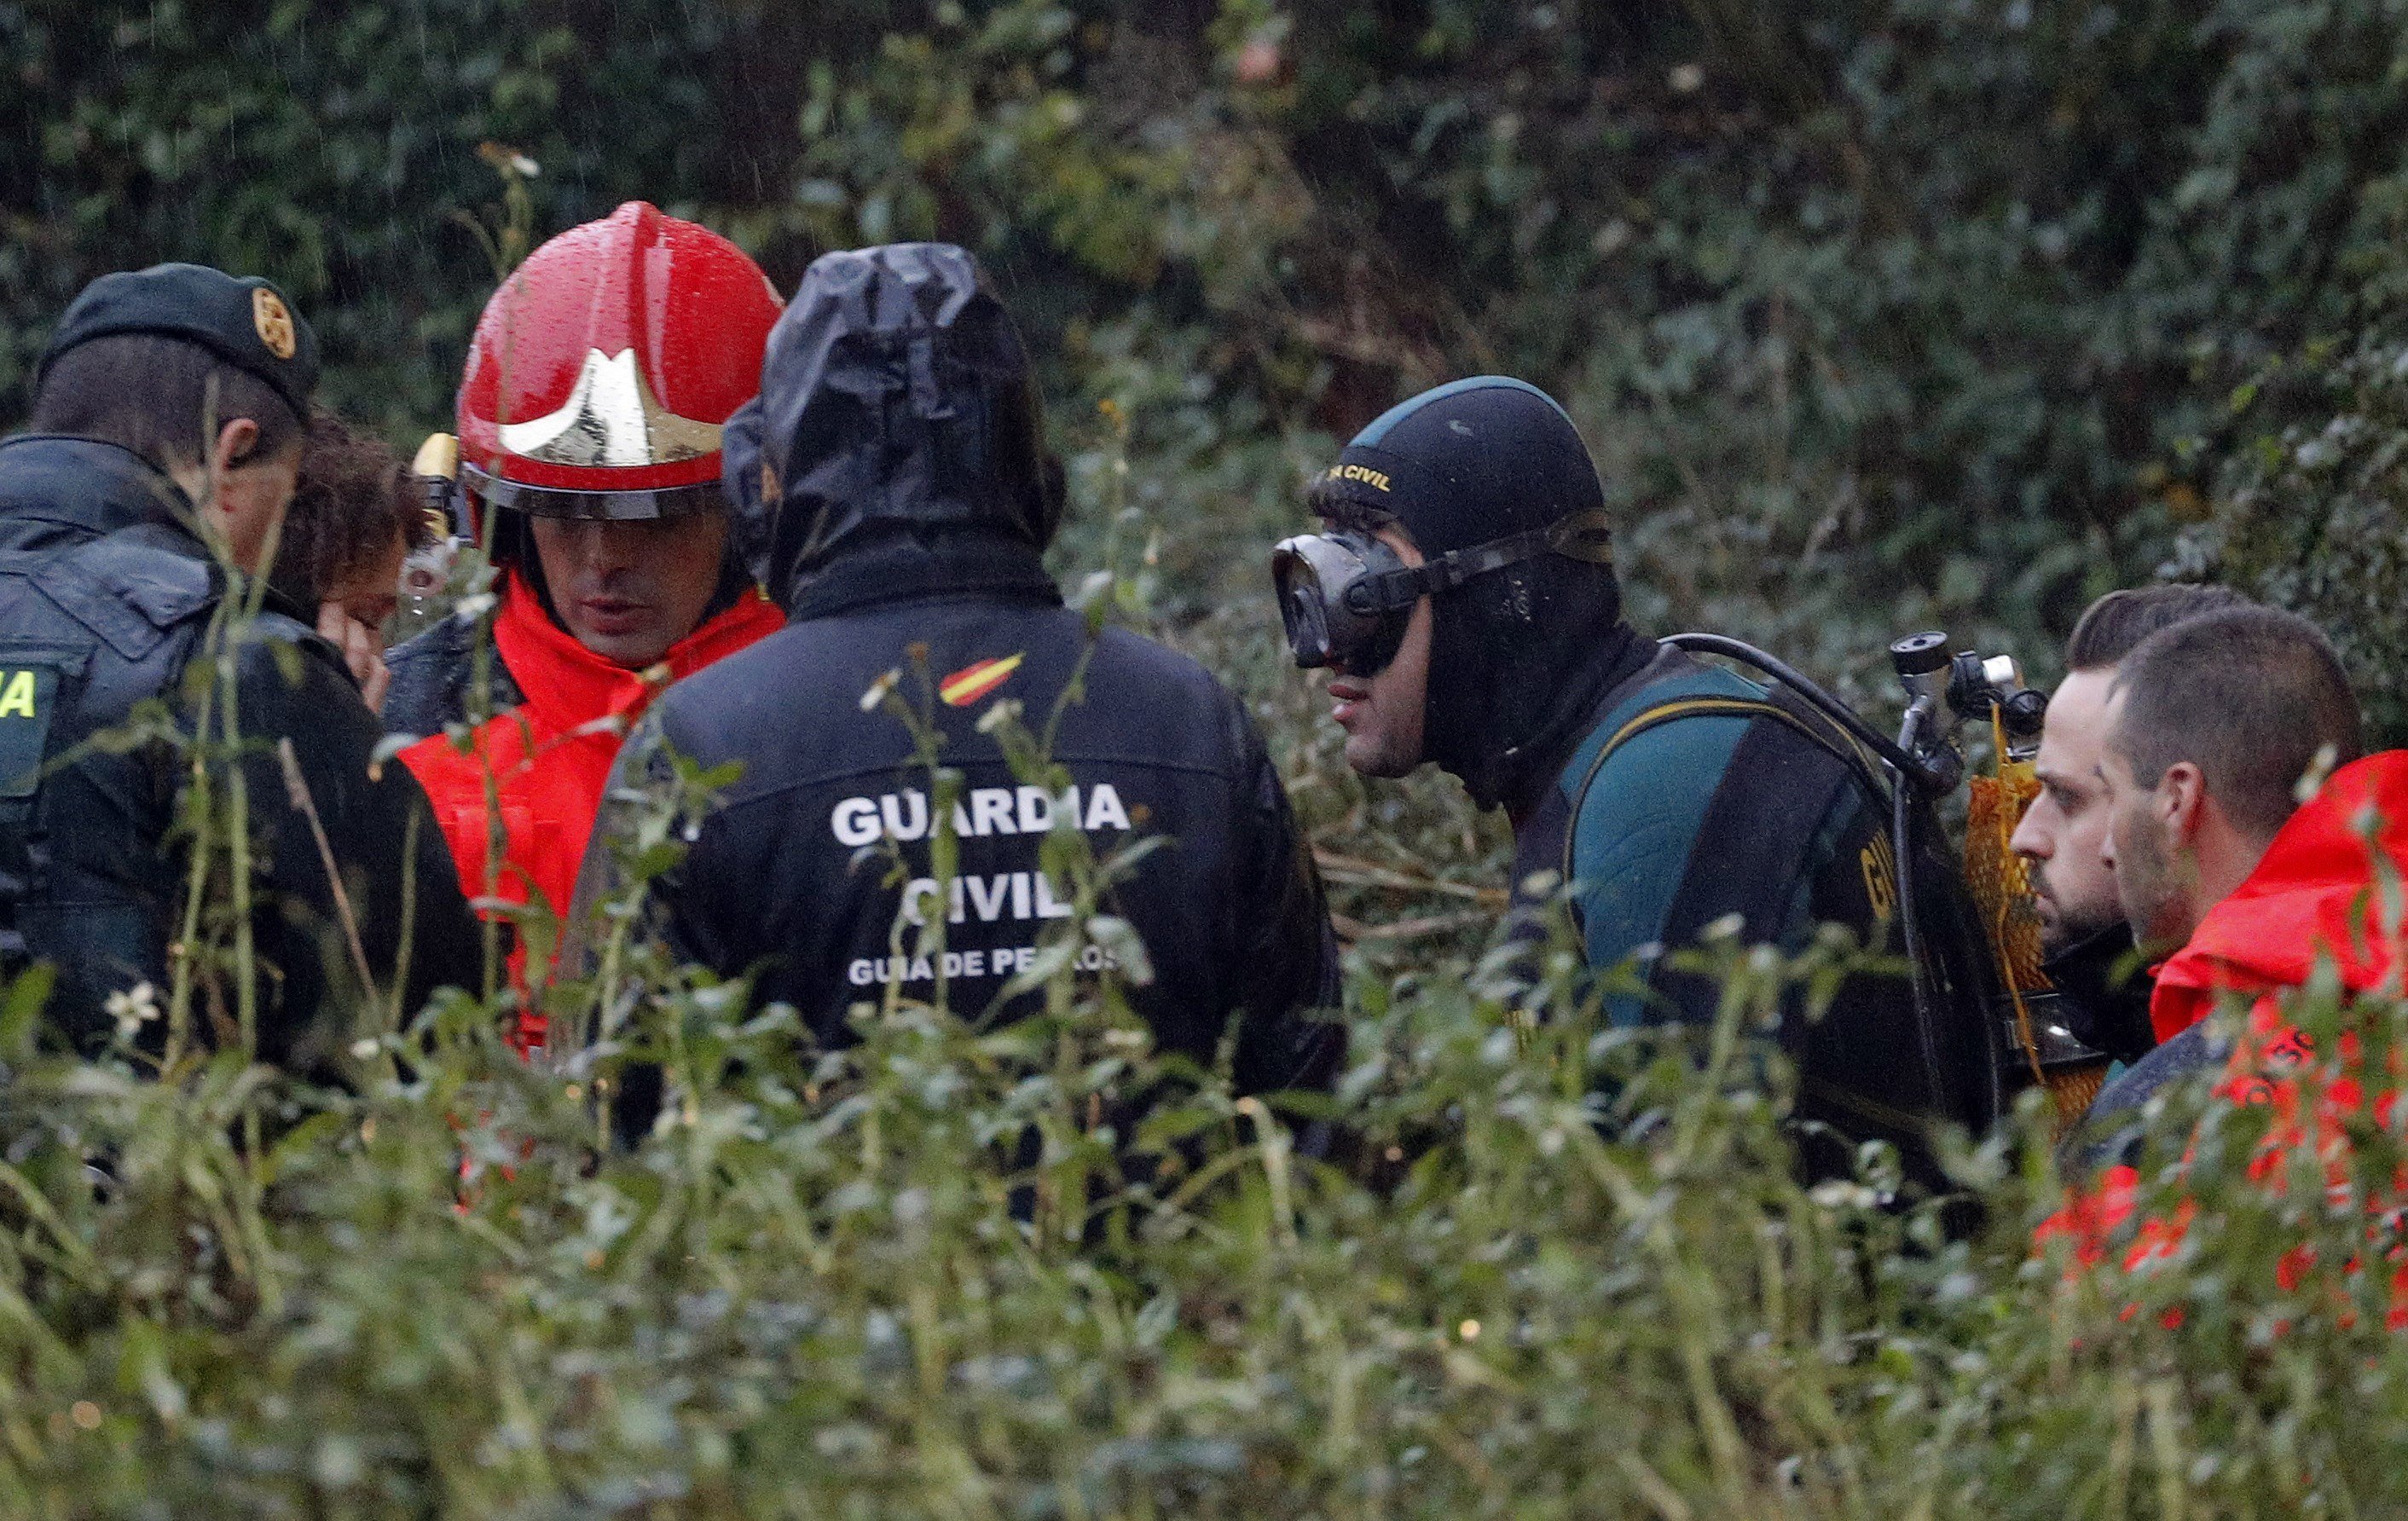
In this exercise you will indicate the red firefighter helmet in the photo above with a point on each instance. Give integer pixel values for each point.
(603, 369)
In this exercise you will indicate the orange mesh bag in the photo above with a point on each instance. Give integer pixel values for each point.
(1999, 882)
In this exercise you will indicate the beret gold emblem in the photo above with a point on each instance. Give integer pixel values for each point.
(274, 323)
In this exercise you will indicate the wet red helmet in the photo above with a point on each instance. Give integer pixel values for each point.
(603, 369)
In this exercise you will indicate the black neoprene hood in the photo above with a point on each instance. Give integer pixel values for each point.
(1515, 650)
(895, 398)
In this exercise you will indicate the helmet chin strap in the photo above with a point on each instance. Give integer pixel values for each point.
(1583, 536)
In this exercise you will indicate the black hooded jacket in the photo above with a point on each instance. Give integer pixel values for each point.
(106, 595)
(890, 489)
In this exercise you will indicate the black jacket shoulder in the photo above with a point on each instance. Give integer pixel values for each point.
(790, 879)
(105, 601)
(2111, 1129)
(432, 672)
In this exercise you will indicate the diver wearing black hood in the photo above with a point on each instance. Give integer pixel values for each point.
(1464, 597)
(891, 490)
(1520, 653)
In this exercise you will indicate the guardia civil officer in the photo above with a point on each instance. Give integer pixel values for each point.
(166, 429)
(1462, 595)
(892, 491)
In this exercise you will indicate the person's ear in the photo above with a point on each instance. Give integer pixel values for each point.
(234, 445)
(229, 451)
(2181, 802)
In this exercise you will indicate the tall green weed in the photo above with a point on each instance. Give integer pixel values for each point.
(1543, 1265)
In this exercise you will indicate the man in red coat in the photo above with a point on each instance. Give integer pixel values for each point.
(2213, 725)
(590, 417)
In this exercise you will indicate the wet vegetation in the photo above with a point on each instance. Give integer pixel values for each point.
(1879, 316)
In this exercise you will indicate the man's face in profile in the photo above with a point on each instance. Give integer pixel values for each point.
(2150, 874)
(2063, 836)
(1383, 713)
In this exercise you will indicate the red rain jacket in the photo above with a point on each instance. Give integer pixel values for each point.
(550, 756)
(2313, 894)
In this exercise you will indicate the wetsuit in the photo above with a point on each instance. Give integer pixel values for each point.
(1670, 793)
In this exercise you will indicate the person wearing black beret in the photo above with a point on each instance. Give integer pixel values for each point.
(147, 494)
(189, 347)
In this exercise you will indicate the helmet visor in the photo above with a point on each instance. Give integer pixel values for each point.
(606, 506)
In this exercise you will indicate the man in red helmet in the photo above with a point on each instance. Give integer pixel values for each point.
(589, 418)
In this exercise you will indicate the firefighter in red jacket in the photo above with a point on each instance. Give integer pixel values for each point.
(589, 417)
(2212, 725)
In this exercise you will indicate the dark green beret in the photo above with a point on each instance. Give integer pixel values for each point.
(243, 320)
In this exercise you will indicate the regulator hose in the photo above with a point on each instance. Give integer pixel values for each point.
(1899, 758)
(1909, 911)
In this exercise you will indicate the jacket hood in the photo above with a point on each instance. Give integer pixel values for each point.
(1521, 655)
(2314, 894)
(897, 401)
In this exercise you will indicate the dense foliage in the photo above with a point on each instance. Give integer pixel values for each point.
(1545, 1267)
(1879, 314)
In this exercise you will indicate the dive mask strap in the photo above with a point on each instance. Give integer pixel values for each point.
(1583, 536)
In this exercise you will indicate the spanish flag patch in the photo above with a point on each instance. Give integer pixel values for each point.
(971, 682)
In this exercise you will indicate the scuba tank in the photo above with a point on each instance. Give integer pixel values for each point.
(1982, 1024)
(2045, 1049)
(1961, 690)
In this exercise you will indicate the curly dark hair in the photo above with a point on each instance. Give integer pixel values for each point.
(354, 496)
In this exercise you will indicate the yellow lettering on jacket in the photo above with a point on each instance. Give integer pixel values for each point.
(1879, 864)
(17, 700)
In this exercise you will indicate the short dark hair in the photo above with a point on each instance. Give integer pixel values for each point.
(2114, 626)
(354, 497)
(2250, 695)
(156, 396)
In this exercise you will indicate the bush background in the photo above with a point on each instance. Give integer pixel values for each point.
(1878, 316)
